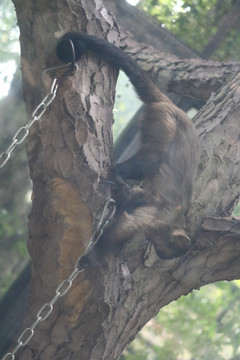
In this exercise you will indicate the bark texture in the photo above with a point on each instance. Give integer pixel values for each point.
(173, 74)
(69, 152)
(188, 77)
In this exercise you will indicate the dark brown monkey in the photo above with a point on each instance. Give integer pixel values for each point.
(165, 163)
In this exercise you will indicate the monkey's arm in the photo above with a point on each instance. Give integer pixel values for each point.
(155, 223)
(141, 165)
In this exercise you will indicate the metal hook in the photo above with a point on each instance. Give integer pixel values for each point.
(107, 215)
(74, 66)
(108, 211)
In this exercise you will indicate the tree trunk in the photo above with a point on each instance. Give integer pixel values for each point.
(69, 153)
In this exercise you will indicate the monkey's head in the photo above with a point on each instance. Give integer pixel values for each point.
(64, 47)
(170, 244)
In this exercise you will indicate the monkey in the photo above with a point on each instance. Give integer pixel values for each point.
(164, 166)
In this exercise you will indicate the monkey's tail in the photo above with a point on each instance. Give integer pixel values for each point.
(82, 42)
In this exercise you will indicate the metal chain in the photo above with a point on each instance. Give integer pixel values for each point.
(26, 335)
(23, 132)
(107, 214)
(101, 225)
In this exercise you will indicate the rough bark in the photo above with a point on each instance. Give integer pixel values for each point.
(188, 77)
(217, 188)
(184, 74)
(69, 150)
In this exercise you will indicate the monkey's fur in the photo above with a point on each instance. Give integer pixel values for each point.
(165, 163)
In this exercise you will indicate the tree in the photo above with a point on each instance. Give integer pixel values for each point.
(216, 23)
(69, 151)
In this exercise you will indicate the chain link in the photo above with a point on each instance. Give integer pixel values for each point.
(102, 224)
(23, 132)
(44, 312)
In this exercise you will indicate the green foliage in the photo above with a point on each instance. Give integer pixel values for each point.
(195, 22)
(5, 283)
(13, 250)
(9, 32)
(236, 211)
(199, 326)
(12, 232)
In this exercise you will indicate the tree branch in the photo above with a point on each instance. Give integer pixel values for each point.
(217, 187)
(190, 77)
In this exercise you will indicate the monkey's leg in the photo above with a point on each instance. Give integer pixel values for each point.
(120, 230)
(140, 165)
(159, 226)
(129, 200)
